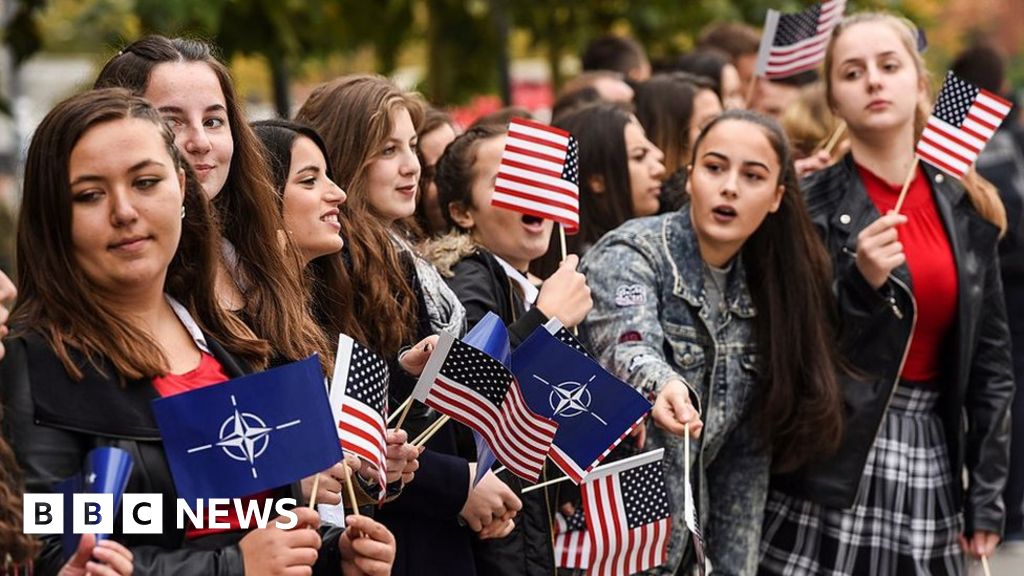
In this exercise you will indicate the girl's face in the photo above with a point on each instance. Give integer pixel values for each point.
(645, 170)
(311, 201)
(126, 206)
(189, 97)
(875, 84)
(706, 106)
(514, 237)
(432, 145)
(395, 171)
(733, 186)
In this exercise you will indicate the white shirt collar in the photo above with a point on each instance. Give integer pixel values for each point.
(529, 290)
(189, 323)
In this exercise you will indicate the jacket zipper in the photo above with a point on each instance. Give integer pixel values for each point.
(906, 351)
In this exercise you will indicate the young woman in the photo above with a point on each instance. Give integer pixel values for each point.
(695, 308)
(310, 202)
(620, 174)
(672, 108)
(368, 126)
(485, 259)
(923, 321)
(117, 252)
(194, 94)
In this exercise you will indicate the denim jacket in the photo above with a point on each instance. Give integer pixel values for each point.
(649, 324)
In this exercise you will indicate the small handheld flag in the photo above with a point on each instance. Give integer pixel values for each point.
(794, 43)
(626, 504)
(539, 173)
(572, 541)
(964, 119)
(477, 390)
(359, 402)
(249, 434)
(594, 409)
(106, 471)
(489, 336)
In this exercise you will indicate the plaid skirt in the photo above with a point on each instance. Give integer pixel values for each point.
(903, 521)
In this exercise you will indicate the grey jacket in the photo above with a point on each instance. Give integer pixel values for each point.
(649, 324)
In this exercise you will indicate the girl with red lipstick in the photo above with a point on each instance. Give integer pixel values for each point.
(485, 259)
(720, 313)
(621, 174)
(923, 323)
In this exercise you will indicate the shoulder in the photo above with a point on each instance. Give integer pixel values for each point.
(824, 189)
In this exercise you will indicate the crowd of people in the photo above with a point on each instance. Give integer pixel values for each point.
(844, 370)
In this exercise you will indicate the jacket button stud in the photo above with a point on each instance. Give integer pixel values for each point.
(844, 218)
(687, 359)
(939, 178)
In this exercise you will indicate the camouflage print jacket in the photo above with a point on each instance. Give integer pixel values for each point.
(649, 324)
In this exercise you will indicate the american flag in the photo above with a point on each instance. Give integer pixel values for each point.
(692, 524)
(572, 542)
(964, 119)
(794, 43)
(627, 511)
(480, 392)
(555, 327)
(359, 400)
(539, 173)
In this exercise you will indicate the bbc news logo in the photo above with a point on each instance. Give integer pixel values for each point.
(144, 513)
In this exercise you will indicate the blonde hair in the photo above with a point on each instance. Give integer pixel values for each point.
(808, 122)
(981, 192)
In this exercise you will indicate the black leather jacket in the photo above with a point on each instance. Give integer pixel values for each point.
(52, 422)
(875, 336)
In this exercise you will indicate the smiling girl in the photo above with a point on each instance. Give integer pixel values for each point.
(697, 309)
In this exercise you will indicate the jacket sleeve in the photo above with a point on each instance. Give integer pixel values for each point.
(47, 455)
(987, 404)
(627, 334)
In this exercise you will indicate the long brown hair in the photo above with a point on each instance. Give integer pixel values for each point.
(982, 194)
(332, 301)
(54, 296)
(21, 547)
(247, 206)
(664, 107)
(355, 116)
(789, 275)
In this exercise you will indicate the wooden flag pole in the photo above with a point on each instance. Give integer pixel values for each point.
(834, 139)
(351, 490)
(427, 434)
(906, 185)
(405, 412)
(543, 484)
(316, 486)
(402, 409)
(686, 453)
(984, 566)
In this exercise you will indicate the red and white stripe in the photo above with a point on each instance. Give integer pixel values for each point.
(615, 550)
(569, 466)
(785, 61)
(572, 547)
(519, 437)
(529, 177)
(954, 149)
(363, 432)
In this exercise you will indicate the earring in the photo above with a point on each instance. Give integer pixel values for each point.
(182, 211)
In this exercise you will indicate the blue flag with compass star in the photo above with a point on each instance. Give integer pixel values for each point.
(249, 434)
(594, 409)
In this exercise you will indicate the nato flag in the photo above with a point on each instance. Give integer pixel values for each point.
(594, 410)
(106, 471)
(249, 434)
